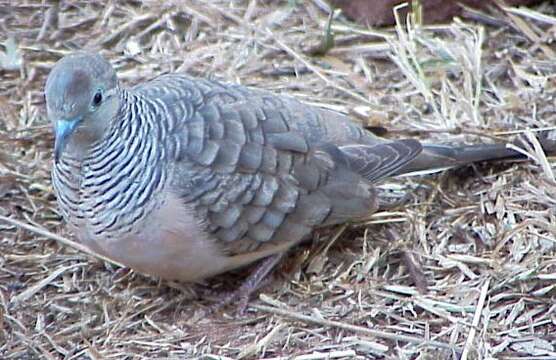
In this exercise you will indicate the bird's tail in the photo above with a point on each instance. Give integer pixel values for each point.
(435, 158)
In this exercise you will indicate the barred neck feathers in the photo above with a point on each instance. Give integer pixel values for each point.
(121, 173)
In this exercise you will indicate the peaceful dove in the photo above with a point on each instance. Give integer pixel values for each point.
(185, 178)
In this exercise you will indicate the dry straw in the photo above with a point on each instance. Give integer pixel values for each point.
(463, 267)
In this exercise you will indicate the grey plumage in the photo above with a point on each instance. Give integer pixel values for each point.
(186, 178)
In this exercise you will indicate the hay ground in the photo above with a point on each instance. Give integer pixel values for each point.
(463, 268)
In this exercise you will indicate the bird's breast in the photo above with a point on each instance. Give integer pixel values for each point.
(170, 243)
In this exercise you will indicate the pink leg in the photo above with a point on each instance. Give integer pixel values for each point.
(251, 284)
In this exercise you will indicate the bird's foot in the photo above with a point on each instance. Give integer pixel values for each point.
(252, 283)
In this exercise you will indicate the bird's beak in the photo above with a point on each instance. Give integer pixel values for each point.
(63, 130)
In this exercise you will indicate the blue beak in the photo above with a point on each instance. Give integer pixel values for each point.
(63, 130)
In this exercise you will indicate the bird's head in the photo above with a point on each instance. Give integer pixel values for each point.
(81, 100)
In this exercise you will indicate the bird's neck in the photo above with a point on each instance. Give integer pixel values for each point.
(131, 135)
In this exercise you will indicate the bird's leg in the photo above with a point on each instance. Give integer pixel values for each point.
(251, 283)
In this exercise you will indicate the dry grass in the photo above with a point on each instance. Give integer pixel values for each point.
(466, 269)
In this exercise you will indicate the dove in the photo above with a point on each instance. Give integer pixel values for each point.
(185, 178)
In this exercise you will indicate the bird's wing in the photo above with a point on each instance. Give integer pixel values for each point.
(265, 169)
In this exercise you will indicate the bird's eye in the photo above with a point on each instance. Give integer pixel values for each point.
(97, 99)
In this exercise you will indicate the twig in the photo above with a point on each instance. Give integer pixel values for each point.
(253, 349)
(531, 14)
(355, 328)
(60, 239)
(32, 290)
(530, 34)
(476, 320)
